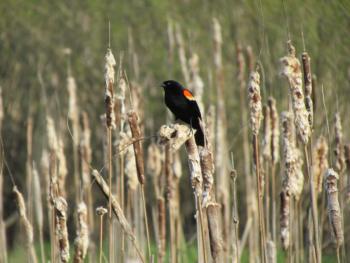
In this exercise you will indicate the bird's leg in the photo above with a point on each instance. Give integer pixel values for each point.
(191, 130)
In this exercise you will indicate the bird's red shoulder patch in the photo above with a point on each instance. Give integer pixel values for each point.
(188, 94)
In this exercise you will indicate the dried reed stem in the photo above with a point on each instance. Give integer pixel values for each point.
(110, 123)
(117, 211)
(136, 134)
(320, 163)
(28, 228)
(255, 108)
(101, 211)
(176, 135)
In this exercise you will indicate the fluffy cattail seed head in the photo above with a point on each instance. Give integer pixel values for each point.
(320, 162)
(109, 90)
(334, 213)
(290, 68)
(255, 105)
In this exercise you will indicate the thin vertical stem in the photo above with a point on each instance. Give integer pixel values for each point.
(109, 138)
(259, 199)
(101, 237)
(146, 220)
(313, 207)
(273, 193)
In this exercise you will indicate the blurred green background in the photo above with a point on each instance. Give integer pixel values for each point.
(33, 66)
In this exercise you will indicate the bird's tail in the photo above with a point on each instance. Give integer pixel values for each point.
(199, 135)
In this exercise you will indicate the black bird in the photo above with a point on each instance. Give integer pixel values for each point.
(183, 105)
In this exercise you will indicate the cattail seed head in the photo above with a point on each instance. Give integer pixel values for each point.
(81, 242)
(109, 91)
(290, 68)
(334, 213)
(101, 211)
(255, 105)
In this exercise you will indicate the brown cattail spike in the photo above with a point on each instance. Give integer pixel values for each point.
(136, 134)
(308, 86)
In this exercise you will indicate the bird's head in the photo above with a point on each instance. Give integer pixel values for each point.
(171, 85)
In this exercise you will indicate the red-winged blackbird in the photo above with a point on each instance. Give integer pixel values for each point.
(183, 105)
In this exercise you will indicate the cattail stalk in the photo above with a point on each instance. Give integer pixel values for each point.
(255, 107)
(101, 211)
(176, 135)
(28, 228)
(117, 211)
(136, 134)
(209, 201)
(110, 123)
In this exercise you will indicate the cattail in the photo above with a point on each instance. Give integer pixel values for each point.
(266, 151)
(308, 87)
(28, 228)
(320, 162)
(293, 178)
(290, 68)
(338, 151)
(334, 213)
(136, 134)
(81, 242)
(182, 53)
(61, 207)
(255, 102)
(207, 164)
(176, 135)
(275, 132)
(284, 217)
(62, 168)
(109, 91)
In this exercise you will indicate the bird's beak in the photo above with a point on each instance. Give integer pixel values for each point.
(162, 85)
